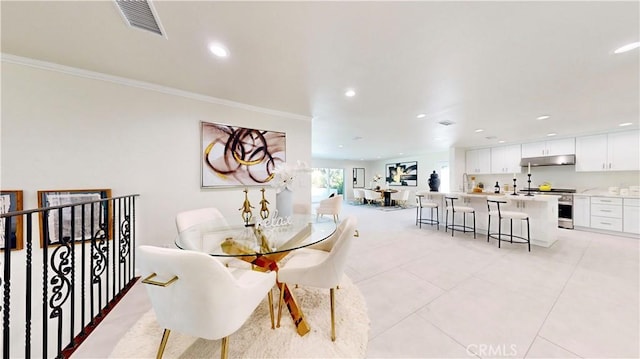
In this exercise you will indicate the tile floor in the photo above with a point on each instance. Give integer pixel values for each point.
(433, 296)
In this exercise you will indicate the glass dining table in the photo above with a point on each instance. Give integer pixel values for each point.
(263, 244)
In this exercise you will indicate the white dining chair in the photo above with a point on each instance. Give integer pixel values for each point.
(193, 223)
(358, 196)
(194, 294)
(330, 206)
(320, 267)
(401, 197)
(372, 196)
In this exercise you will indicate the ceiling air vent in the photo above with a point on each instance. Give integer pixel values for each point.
(140, 14)
(446, 123)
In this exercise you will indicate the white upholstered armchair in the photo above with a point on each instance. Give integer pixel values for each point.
(198, 221)
(331, 206)
(194, 294)
(320, 267)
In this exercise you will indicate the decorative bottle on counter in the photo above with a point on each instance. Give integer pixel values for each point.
(434, 182)
(496, 188)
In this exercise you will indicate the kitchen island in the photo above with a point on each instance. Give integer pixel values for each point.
(542, 211)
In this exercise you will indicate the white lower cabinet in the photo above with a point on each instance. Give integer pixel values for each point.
(606, 213)
(631, 215)
(581, 211)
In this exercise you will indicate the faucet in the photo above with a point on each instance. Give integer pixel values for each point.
(465, 182)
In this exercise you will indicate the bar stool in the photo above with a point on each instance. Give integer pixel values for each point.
(426, 204)
(465, 210)
(511, 215)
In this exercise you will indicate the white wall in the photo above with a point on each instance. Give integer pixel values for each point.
(61, 131)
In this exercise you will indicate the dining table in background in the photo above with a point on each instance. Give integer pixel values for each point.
(386, 193)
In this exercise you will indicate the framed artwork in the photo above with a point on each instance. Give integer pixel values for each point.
(402, 173)
(236, 156)
(11, 201)
(85, 228)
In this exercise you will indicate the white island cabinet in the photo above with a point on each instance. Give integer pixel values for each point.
(542, 211)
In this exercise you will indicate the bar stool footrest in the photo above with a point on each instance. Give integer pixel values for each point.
(432, 222)
(506, 237)
(459, 228)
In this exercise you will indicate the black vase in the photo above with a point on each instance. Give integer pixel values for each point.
(434, 182)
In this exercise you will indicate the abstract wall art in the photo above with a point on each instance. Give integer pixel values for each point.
(238, 156)
(402, 173)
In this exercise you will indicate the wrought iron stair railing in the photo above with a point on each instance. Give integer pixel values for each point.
(54, 295)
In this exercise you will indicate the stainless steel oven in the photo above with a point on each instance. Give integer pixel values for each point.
(565, 204)
(565, 211)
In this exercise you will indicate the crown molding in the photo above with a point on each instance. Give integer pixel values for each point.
(50, 66)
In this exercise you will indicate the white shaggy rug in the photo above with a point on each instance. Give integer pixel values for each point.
(256, 339)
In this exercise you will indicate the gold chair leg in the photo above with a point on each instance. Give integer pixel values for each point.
(225, 348)
(280, 303)
(163, 343)
(333, 320)
(270, 296)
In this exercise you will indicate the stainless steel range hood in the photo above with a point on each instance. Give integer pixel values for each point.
(561, 160)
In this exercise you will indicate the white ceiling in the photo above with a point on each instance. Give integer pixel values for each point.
(490, 65)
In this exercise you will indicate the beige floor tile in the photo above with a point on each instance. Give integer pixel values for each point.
(543, 348)
(415, 338)
(481, 314)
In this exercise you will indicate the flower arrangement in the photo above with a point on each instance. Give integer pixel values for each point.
(284, 175)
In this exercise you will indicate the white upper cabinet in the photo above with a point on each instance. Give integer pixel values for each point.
(591, 153)
(478, 161)
(623, 150)
(619, 151)
(506, 159)
(565, 146)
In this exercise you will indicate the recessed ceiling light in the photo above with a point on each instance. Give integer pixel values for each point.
(401, 153)
(218, 50)
(551, 134)
(625, 124)
(543, 117)
(422, 115)
(340, 146)
(501, 141)
(350, 93)
(362, 159)
(479, 130)
(627, 47)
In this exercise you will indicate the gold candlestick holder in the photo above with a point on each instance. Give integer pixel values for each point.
(246, 213)
(264, 210)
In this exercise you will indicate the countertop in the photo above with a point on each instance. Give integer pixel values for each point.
(506, 196)
(606, 194)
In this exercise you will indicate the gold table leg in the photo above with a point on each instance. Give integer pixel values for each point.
(270, 263)
(302, 327)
